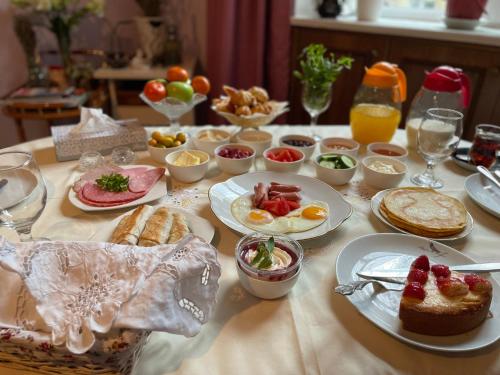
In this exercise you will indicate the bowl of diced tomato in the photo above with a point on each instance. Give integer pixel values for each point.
(283, 159)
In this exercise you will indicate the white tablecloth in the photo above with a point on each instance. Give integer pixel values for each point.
(311, 330)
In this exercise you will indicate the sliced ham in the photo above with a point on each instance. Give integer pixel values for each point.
(144, 182)
(93, 174)
(93, 193)
(96, 204)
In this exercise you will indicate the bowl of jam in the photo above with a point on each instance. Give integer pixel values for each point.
(386, 149)
(300, 142)
(268, 265)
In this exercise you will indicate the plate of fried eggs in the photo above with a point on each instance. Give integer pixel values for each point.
(322, 208)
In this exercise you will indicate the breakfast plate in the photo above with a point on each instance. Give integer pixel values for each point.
(223, 194)
(158, 190)
(394, 250)
(375, 206)
(199, 227)
(485, 194)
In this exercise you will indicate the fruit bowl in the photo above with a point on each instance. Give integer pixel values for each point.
(174, 108)
(256, 119)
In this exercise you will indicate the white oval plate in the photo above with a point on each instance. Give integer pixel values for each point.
(375, 205)
(221, 196)
(373, 250)
(486, 195)
(158, 190)
(198, 226)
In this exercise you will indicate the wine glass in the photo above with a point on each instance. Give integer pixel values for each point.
(23, 194)
(438, 136)
(316, 99)
(173, 108)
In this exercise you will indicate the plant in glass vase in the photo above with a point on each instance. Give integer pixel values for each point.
(319, 71)
(61, 17)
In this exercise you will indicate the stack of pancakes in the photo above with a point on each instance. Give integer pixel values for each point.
(424, 212)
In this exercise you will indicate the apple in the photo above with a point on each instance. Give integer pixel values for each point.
(180, 90)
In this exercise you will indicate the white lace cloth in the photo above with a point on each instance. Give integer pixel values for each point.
(73, 289)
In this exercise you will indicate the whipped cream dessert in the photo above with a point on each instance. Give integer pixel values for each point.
(280, 259)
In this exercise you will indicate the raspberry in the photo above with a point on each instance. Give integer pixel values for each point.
(452, 287)
(422, 263)
(477, 284)
(414, 290)
(440, 270)
(418, 276)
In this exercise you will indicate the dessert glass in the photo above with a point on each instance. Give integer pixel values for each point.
(268, 284)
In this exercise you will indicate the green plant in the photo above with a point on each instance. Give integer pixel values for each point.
(319, 68)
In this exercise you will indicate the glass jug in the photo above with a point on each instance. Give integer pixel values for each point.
(444, 87)
(376, 111)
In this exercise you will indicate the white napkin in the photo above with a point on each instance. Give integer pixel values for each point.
(93, 120)
(73, 289)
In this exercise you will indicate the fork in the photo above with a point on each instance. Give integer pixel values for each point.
(350, 288)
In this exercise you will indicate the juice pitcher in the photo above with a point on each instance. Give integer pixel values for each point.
(444, 87)
(376, 111)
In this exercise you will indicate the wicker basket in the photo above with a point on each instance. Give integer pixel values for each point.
(113, 353)
(257, 119)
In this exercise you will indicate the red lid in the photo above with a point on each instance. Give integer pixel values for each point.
(448, 79)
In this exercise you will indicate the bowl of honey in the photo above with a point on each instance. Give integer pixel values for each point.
(387, 149)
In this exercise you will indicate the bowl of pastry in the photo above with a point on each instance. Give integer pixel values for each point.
(248, 108)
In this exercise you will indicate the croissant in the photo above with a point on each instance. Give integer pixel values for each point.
(223, 105)
(260, 94)
(264, 108)
(243, 110)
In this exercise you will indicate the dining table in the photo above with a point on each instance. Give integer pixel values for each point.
(312, 330)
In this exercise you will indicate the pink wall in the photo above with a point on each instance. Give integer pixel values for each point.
(92, 33)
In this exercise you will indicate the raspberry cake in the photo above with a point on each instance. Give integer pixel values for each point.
(440, 302)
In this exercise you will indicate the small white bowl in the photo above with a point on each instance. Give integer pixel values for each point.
(335, 176)
(307, 150)
(234, 166)
(267, 289)
(373, 150)
(328, 145)
(158, 153)
(258, 139)
(278, 166)
(382, 180)
(209, 146)
(188, 174)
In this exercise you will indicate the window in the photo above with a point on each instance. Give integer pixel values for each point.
(414, 9)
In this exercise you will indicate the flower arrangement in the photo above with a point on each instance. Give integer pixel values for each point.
(61, 16)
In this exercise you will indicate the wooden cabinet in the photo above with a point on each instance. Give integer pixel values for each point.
(414, 56)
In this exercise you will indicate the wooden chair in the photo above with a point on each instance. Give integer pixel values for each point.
(49, 112)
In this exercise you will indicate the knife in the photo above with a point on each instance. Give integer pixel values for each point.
(397, 275)
(486, 173)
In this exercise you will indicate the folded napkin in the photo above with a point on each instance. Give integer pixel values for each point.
(93, 120)
(74, 289)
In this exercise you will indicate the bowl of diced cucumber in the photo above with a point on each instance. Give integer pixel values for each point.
(335, 168)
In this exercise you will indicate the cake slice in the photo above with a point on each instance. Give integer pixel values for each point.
(440, 302)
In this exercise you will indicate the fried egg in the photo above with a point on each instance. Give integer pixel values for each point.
(306, 217)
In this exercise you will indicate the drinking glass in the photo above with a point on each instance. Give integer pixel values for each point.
(437, 138)
(316, 99)
(23, 194)
(485, 147)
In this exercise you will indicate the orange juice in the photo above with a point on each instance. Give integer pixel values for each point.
(374, 122)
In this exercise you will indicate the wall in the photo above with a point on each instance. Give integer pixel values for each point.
(92, 33)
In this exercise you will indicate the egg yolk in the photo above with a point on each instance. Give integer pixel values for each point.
(259, 217)
(314, 213)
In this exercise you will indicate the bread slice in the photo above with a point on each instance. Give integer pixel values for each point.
(130, 227)
(157, 228)
(179, 228)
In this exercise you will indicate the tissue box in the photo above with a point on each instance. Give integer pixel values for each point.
(113, 353)
(71, 147)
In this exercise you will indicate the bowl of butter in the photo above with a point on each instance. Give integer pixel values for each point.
(187, 165)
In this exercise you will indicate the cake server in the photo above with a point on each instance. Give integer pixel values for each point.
(390, 276)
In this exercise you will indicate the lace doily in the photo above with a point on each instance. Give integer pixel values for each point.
(82, 287)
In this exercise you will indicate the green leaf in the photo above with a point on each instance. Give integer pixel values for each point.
(270, 245)
(113, 182)
(266, 263)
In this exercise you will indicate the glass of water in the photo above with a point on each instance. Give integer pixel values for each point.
(316, 100)
(23, 194)
(437, 138)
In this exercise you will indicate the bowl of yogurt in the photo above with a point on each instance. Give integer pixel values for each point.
(383, 172)
(268, 265)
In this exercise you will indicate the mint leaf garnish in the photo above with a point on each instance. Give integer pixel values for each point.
(114, 182)
(263, 258)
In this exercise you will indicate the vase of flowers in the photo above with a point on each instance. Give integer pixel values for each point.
(61, 17)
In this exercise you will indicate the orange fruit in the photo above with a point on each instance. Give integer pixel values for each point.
(177, 73)
(201, 85)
